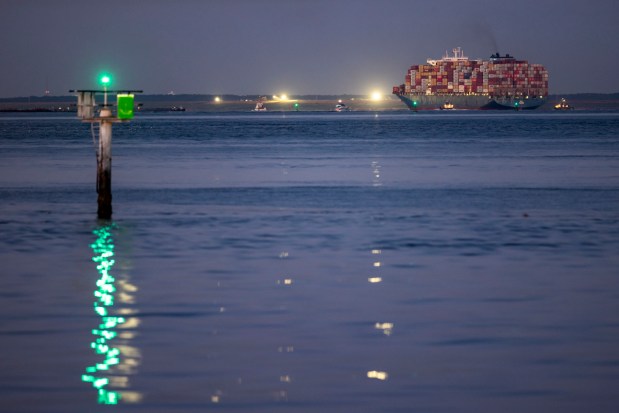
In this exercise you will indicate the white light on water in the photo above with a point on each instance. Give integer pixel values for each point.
(379, 375)
(385, 327)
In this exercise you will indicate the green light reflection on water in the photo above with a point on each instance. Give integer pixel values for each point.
(103, 250)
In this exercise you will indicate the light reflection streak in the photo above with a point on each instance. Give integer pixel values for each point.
(385, 327)
(118, 358)
(375, 266)
(376, 174)
(282, 395)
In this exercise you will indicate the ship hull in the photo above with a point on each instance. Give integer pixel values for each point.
(470, 102)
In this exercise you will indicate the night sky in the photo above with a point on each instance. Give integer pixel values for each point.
(294, 46)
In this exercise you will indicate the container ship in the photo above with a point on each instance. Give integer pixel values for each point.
(457, 82)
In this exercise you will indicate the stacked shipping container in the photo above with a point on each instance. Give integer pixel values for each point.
(497, 77)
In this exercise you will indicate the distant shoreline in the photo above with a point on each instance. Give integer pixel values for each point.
(245, 103)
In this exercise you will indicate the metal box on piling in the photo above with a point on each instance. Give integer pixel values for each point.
(124, 106)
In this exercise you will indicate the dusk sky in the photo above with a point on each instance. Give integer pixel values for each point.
(294, 46)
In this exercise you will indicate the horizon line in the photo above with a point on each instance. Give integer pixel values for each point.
(316, 96)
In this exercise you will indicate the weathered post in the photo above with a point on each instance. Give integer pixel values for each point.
(104, 166)
(86, 111)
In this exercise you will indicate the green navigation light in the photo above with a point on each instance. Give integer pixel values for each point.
(415, 103)
(105, 80)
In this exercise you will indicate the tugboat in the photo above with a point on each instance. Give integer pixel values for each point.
(340, 107)
(563, 105)
(447, 106)
(260, 106)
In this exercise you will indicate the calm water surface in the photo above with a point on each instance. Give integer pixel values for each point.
(312, 263)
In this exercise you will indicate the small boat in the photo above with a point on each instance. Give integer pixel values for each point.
(340, 107)
(168, 109)
(563, 105)
(260, 106)
(447, 106)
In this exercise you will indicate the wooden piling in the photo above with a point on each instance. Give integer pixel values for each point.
(86, 111)
(104, 168)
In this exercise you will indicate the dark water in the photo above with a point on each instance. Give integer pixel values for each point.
(313, 263)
